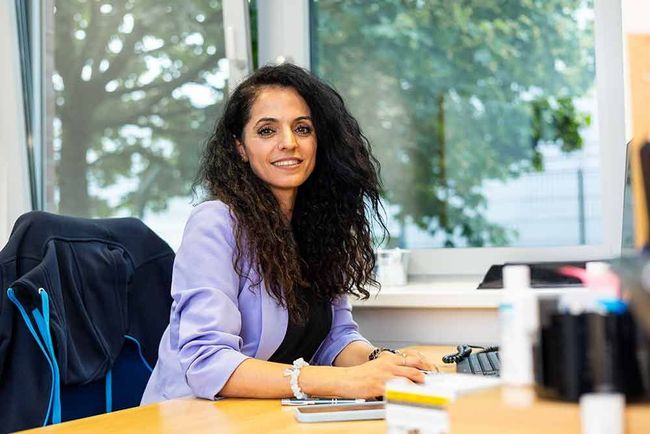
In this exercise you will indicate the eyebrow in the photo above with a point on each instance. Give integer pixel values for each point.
(299, 118)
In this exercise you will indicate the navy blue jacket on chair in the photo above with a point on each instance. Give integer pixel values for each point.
(83, 306)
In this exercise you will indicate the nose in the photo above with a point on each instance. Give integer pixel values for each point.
(288, 140)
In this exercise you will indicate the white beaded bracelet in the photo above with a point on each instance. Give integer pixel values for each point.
(293, 372)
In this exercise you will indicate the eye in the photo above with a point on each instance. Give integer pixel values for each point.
(265, 131)
(304, 130)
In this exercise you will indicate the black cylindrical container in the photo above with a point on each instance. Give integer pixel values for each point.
(591, 352)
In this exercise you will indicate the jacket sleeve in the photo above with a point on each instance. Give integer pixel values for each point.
(206, 321)
(344, 331)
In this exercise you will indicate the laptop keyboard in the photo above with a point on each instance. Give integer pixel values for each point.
(480, 363)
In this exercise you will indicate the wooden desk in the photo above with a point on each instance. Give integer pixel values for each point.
(479, 413)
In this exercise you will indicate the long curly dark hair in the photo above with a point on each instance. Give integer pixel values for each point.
(327, 249)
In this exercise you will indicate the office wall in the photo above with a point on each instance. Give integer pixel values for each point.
(14, 183)
(398, 327)
(636, 16)
(636, 19)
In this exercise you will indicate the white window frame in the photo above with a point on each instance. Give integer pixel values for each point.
(237, 41)
(15, 195)
(281, 41)
(283, 32)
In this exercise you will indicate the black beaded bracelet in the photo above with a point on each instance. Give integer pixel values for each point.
(375, 353)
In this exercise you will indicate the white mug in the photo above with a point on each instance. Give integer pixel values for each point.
(391, 266)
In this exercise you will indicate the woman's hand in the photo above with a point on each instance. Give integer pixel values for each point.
(414, 355)
(368, 379)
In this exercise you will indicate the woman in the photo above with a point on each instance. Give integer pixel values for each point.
(261, 278)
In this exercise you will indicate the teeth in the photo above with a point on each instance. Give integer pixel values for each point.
(286, 163)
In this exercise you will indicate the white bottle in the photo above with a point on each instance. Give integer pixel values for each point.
(519, 324)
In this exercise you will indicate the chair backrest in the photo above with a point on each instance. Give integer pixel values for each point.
(122, 389)
(81, 323)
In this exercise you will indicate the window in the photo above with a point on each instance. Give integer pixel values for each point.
(134, 90)
(499, 124)
(487, 119)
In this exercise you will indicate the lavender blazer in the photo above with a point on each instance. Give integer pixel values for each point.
(217, 320)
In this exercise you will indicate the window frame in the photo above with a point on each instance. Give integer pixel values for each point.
(295, 42)
(237, 40)
(284, 32)
(278, 41)
(15, 192)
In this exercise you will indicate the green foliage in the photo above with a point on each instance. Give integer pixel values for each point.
(125, 119)
(254, 38)
(453, 93)
(450, 93)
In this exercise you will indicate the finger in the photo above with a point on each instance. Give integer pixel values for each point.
(412, 374)
(413, 354)
(425, 362)
(398, 359)
(428, 365)
(404, 359)
(414, 361)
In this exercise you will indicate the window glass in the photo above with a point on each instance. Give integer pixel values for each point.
(482, 114)
(135, 89)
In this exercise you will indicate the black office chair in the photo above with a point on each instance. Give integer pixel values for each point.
(83, 306)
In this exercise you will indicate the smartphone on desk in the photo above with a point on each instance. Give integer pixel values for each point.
(341, 412)
(320, 401)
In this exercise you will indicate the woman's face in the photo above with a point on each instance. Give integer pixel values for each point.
(279, 140)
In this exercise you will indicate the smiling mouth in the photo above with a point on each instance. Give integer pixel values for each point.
(287, 163)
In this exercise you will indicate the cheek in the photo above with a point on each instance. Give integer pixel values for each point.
(312, 164)
(312, 149)
(258, 167)
(258, 155)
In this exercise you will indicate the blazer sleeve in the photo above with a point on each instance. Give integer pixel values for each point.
(206, 321)
(344, 331)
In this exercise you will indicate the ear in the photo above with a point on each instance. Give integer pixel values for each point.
(241, 149)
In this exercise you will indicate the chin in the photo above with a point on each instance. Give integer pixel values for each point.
(289, 183)
(287, 186)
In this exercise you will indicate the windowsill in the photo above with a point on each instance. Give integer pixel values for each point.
(444, 292)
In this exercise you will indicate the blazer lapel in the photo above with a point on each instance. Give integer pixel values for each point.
(274, 325)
